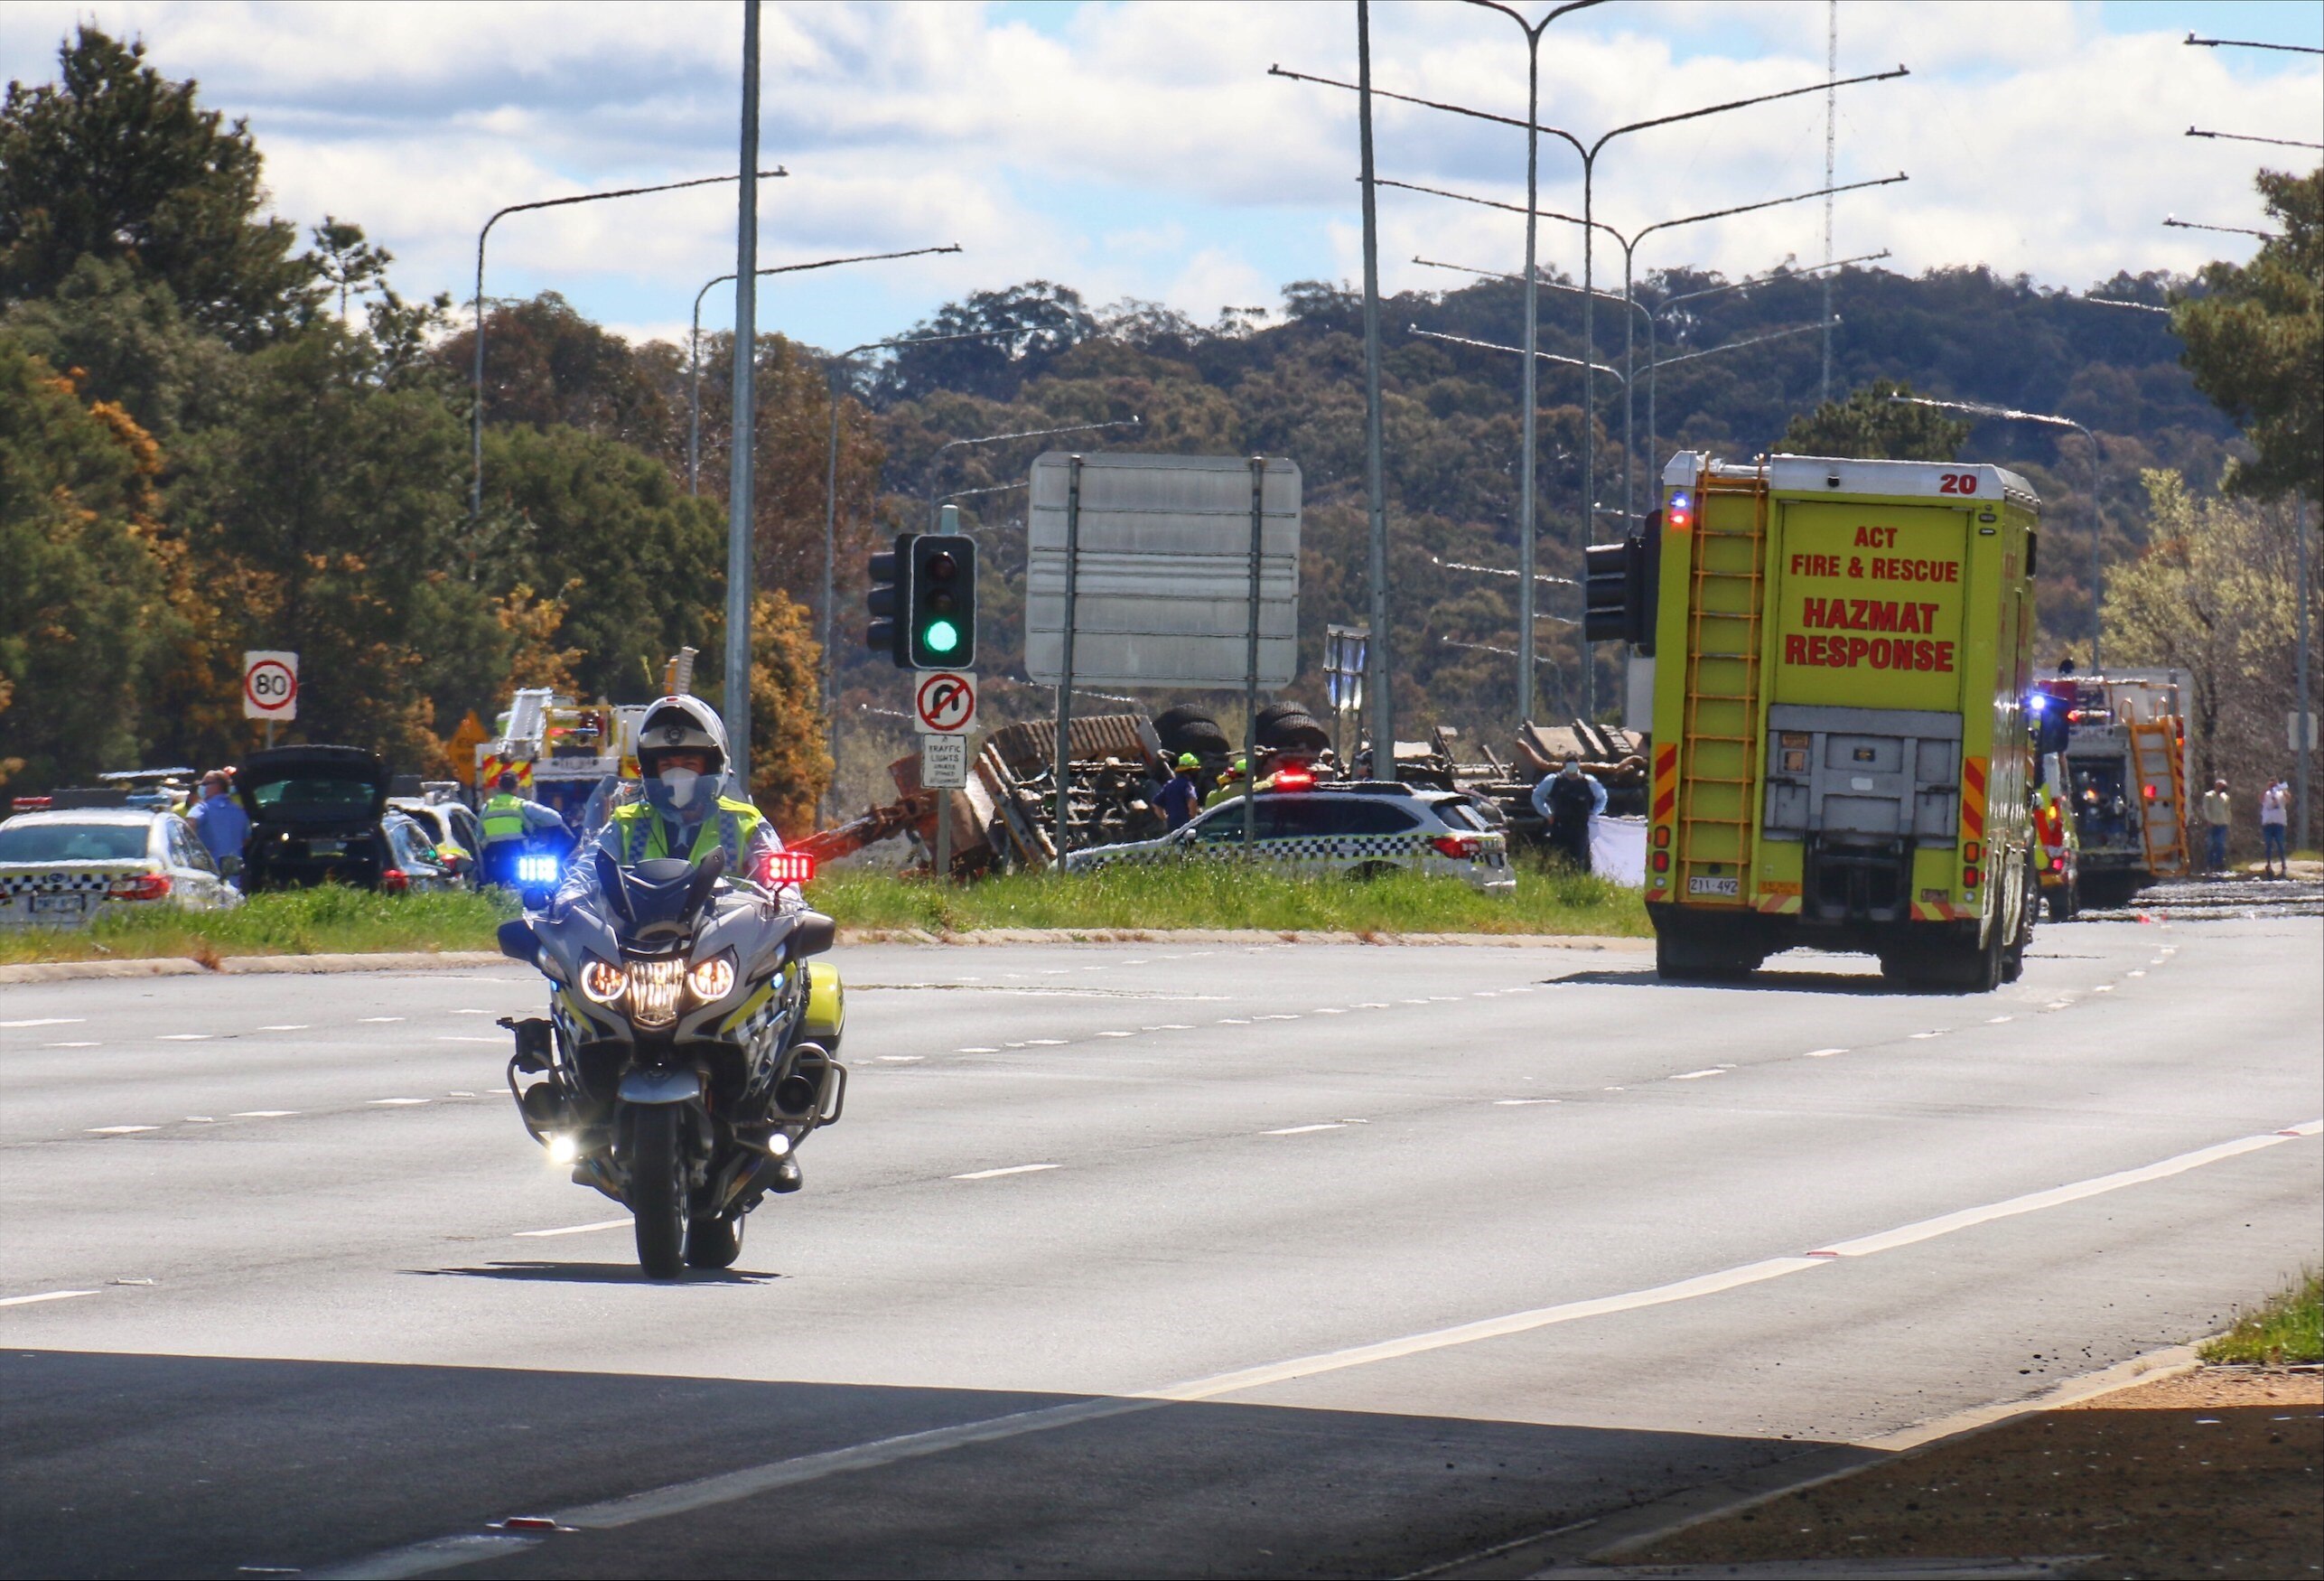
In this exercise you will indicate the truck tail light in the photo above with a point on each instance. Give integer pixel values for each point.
(1971, 877)
(2147, 791)
(1975, 853)
(1662, 837)
(1662, 861)
(142, 887)
(1458, 846)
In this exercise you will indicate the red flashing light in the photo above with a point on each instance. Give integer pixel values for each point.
(1458, 845)
(394, 881)
(2057, 863)
(1292, 778)
(782, 867)
(144, 886)
(2147, 791)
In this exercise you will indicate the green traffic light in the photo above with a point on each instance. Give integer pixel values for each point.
(941, 637)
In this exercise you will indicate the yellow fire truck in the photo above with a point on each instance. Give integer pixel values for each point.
(1841, 757)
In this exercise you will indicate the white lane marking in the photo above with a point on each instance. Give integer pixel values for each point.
(1697, 1075)
(2138, 973)
(1328, 1010)
(471, 1039)
(43, 1296)
(396, 1102)
(48, 1021)
(184, 1037)
(2057, 1004)
(472, 1013)
(573, 1229)
(1233, 1021)
(1997, 1020)
(1118, 1034)
(1411, 1002)
(288, 1026)
(977, 1049)
(2034, 1201)
(1043, 1042)
(1824, 1054)
(119, 1130)
(264, 1114)
(1274, 1018)
(1519, 1102)
(460, 1095)
(1377, 1005)
(72, 1045)
(425, 1558)
(1170, 1026)
(201, 1119)
(1938, 1032)
(680, 1498)
(376, 1020)
(1012, 1169)
(1302, 1130)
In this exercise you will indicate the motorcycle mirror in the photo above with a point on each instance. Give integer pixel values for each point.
(515, 937)
(813, 934)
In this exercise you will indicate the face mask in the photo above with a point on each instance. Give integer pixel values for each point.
(678, 785)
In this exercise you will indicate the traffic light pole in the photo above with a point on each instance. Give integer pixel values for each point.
(1063, 764)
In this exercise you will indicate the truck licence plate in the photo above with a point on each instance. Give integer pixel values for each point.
(1726, 886)
(60, 904)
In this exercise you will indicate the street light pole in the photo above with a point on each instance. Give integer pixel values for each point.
(1588, 154)
(742, 431)
(1377, 656)
(2174, 222)
(476, 402)
(1526, 548)
(694, 344)
(2097, 506)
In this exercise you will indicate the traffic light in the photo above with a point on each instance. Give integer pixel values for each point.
(940, 593)
(889, 591)
(1619, 584)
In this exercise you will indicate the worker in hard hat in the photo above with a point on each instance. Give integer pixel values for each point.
(1230, 783)
(1181, 798)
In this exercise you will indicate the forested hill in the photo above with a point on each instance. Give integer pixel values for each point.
(1292, 385)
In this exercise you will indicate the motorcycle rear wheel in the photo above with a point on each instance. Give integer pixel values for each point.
(657, 1191)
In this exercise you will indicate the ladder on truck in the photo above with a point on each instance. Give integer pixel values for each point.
(1719, 722)
(2161, 796)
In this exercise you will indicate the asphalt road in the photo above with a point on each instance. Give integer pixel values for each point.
(1125, 1259)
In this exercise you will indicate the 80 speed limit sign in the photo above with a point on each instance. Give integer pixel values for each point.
(270, 686)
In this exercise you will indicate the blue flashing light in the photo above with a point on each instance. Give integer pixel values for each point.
(537, 870)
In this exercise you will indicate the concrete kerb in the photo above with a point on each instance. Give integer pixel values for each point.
(425, 961)
(1598, 1547)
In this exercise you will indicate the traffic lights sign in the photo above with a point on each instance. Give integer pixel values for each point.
(889, 594)
(940, 593)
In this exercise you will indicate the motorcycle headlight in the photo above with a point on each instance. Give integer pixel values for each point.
(713, 979)
(603, 980)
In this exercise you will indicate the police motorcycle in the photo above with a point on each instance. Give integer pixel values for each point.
(533, 867)
(691, 1047)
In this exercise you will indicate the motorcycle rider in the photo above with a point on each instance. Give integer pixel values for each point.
(682, 765)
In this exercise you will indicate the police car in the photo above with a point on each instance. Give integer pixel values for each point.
(1357, 828)
(60, 868)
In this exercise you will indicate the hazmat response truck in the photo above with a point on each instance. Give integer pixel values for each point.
(1840, 756)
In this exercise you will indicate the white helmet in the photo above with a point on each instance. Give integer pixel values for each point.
(681, 723)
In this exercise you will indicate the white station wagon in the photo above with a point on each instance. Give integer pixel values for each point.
(60, 869)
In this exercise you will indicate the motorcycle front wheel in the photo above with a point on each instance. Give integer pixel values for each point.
(657, 1191)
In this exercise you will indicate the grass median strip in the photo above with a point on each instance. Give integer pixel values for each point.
(336, 921)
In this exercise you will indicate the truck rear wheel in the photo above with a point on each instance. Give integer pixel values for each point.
(1684, 955)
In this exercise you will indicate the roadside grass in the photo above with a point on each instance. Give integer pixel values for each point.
(336, 921)
(2285, 1329)
(1226, 895)
(331, 919)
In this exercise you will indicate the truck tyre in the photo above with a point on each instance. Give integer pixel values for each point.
(1680, 957)
(2061, 903)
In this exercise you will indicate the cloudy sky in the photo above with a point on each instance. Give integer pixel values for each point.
(1142, 150)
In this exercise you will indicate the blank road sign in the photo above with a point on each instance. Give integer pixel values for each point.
(1163, 567)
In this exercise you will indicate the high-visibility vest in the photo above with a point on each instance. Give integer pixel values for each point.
(642, 834)
(504, 818)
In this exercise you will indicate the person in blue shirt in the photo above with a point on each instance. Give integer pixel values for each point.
(1567, 801)
(219, 823)
(1181, 799)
